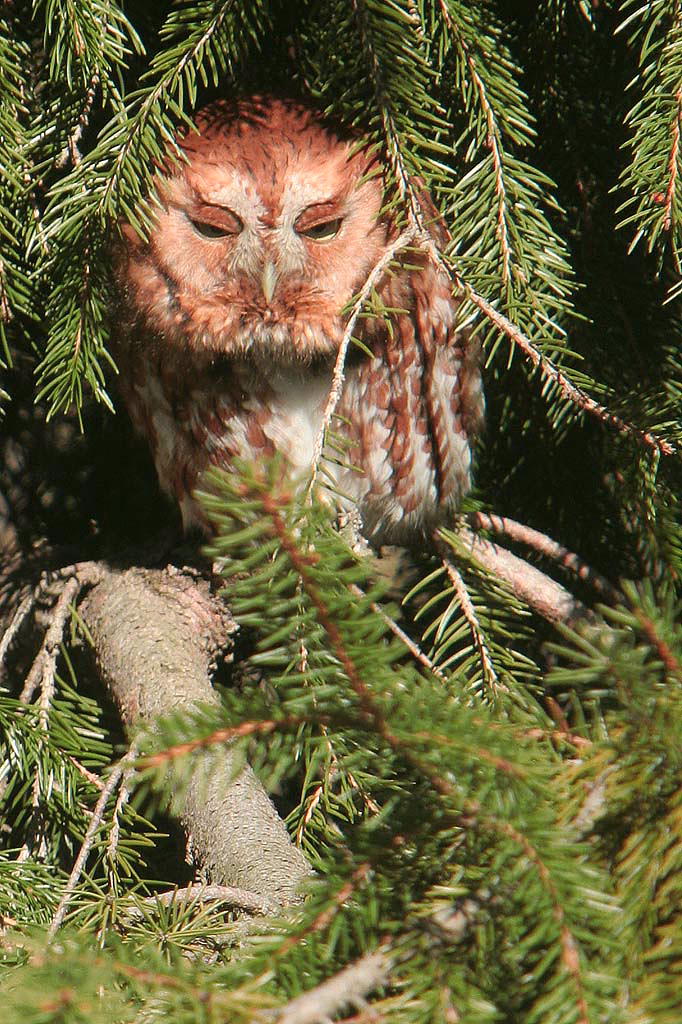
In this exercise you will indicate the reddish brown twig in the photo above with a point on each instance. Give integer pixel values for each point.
(469, 613)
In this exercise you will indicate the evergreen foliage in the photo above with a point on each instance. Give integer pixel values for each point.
(498, 818)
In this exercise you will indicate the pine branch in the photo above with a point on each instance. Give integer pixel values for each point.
(202, 41)
(86, 40)
(504, 240)
(469, 612)
(96, 822)
(305, 585)
(631, 667)
(654, 206)
(552, 374)
(15, 293)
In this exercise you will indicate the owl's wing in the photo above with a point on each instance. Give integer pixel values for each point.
(420, 403)
(434, 365)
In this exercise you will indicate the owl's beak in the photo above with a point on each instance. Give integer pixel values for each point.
(268, 280)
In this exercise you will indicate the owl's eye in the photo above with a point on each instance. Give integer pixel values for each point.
(229, 225)
(322, 232)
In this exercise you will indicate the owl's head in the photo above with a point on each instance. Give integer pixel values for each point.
(262, 237)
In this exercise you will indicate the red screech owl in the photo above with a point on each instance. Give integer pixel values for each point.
(231, 316)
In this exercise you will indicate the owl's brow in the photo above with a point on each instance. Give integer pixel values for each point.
(325, 206)
(319, 211)
(203, 201)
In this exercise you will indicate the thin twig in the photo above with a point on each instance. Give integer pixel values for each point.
(331, 773)
(88, 573)
(312, 802)
(665, 653)
(571, 392)
(402, 242)
(544, 545)
(71, 150)
(16, 624)
(672, 163)
(36, 213)
(89, 776)
(36, 830)
(415, 650)
(121, 801)
(97, 818)
(5, 308)
(551, 372)
(43, 668)
(469, 613)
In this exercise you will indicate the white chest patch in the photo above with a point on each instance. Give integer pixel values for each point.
(297, 417)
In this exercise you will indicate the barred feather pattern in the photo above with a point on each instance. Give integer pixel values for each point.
(231, 315)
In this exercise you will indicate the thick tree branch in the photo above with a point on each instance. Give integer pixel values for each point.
(156, 634)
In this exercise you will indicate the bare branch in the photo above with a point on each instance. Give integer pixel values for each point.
(543, 594)
(346, 990)
(239, 899)
(544, 545)
(89, 838)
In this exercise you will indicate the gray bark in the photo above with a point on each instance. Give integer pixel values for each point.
(156, 634)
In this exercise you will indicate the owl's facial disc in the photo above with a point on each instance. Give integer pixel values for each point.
(264, 236)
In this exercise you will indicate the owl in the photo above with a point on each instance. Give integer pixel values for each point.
(231, 314)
